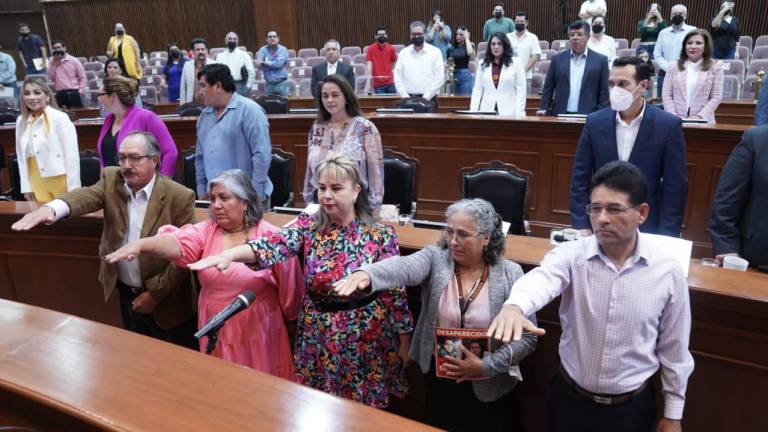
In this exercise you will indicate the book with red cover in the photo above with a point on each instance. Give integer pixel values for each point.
(448, 340)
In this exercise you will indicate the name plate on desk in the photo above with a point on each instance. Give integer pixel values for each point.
(572, 116)
(394, 110)
(302, 111)
(470, 112)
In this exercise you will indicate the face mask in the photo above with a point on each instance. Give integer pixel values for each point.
(598, 28)
(677, 20)
(498, 15)
(24, 34)
(175, 53)
(381, 39)
(519, 27)
(231, 46)
(119, 32)
(417, 40)
(621, 99)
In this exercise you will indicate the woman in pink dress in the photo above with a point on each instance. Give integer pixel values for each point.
(257, 337)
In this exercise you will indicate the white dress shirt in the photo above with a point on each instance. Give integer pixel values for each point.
(525, 47)
(670, 44)
(597, 7)
(606, 46)
(235, 60)
(626, 134)
(691, 79)
(332, 68)
(419, 72)
(128, 272)
(619, 324)
(578, 63)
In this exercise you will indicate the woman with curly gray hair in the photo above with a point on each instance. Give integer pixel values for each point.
(465, 280)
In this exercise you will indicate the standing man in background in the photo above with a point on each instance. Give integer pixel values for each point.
(240, 65)
(591, 9)
(380, 59)
(525, 45)
(499, 23)
(272, 58)
(34, 56)
(420, 70)
(8, 74)
(188, 92)
(670, 43)
(68, 76)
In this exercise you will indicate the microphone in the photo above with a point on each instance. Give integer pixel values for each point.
(242, 301)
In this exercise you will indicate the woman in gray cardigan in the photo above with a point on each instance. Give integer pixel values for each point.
(465, 280)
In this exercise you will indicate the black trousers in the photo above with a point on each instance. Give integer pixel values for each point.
(454, 407)
(572, 412)
(69, 99)
(145, 324)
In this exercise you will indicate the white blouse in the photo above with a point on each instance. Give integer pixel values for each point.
(691, 79)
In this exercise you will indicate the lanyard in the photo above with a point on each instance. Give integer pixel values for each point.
(473, 291)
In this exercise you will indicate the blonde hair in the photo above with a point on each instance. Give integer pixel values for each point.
(342, 167)
(40, 82)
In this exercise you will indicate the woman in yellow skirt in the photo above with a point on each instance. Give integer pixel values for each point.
(46, 145)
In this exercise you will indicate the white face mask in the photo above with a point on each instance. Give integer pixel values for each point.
(621, 99)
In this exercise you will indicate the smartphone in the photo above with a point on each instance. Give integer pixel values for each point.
(655, 7)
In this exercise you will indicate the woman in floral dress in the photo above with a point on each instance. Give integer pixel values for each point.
(355, 347)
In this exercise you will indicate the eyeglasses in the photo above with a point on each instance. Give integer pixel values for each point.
(122, 159)
(461, 236)
(612, 209)
(103, 94)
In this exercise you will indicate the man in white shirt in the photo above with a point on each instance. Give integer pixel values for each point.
(625, 314)
(670, 43)
(592, 8)
(525, 44)
(156, 298)
(240, 65)
(420, 70)
(188, 92)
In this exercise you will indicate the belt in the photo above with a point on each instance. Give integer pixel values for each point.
(324, 304)
(602, 399)
(135, 290)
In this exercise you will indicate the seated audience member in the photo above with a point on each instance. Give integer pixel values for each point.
(352, 348)
(635, 131)
(500, 84)
(380, 60)
(420, 70)
(156, 298)
(189, 92)
(670, 42)
(625, 313)
(32, 51)
(577, 79)
(465, 279)
(172, 71)
(257, 337)
(272, 58)
(439, 34)
(8, 74)
(68, 76)
(340, 128)
(462, 52)
(726, 32)
(118, 99)
(761, 110)
(240, 65)
(126, 49)
(497, 23)
(737, 222)
(694, 85)
(591, 9)
(600, 42)
(525, 45)
(332, 66)
(239, 139)
(46, 145)
(648, 29)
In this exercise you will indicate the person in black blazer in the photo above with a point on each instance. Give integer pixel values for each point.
(738, 220)
(332, 55)
(593, 93)
(657, 149)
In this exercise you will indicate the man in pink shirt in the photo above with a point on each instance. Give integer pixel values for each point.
(68, 76)
(625, 313)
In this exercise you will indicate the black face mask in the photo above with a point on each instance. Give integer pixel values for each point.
(24, 35)
(231, 46)
(119, 32)
(381, 39)
(175, 54)
(677, 20)
(597, 28)
(498, 15)
(417, 40)
(59, 53)
(519, 27)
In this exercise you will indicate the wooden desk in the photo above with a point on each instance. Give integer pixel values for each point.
(445, 143)
(729, 338)
(61, 372)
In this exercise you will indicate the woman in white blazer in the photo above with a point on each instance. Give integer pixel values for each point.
(500, 83)
(46, 145)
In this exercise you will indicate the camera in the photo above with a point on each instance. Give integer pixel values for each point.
(59, 53)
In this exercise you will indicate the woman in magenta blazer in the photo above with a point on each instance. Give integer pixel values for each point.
(693, 87)
(117, 97)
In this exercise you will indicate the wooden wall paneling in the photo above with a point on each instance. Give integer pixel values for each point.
(280, 16)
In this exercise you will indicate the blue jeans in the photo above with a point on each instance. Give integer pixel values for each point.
(464, 82)
(385, 89)
(724, 54)
(279, 88)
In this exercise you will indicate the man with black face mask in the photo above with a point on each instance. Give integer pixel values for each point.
(240, 65)
(499, 23)
(380, 58)
(34, 56)
(525, 45)
(420, 70)
(670, 43)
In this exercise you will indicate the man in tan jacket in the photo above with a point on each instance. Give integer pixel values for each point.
(156, 298)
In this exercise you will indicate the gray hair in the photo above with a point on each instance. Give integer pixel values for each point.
(486, 221)
(679, 8)
(239, 185)
(333, 41)
(153, 148)
(417, 23)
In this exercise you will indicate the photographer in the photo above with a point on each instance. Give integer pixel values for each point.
(68, 76)
(725, 32)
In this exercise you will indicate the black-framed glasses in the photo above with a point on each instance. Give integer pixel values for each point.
(612, 209)
(122, 159)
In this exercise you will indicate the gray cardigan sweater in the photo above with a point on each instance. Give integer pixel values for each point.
(432, 267)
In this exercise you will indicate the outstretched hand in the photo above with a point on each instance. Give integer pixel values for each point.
(220, 261)
(32, 219)
(358, 280)
(129, 252)
(510, 324)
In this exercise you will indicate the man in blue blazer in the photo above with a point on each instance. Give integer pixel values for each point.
(577, 78)
(641, 134)
(333, 65)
